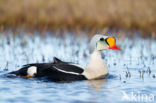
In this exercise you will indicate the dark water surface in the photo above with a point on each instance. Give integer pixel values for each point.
(132, 70)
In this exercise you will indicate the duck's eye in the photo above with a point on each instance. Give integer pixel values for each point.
(101, 39)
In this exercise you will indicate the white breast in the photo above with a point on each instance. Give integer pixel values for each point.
(96, 68)
(32, 70)
(96, 72)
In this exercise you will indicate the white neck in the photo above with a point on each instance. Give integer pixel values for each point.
(96, 67)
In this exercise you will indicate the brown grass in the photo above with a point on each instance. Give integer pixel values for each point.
(54, 14)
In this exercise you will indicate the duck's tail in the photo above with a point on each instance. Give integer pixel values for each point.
(13, 72)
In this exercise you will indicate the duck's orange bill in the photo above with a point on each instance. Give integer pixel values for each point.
(114, 47)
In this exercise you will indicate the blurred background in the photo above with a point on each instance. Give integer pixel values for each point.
(34, 31)
(80, 15)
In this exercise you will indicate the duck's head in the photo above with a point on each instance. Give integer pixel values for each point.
(100, 42)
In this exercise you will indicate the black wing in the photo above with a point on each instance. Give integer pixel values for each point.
(68, 68)
(64, 72)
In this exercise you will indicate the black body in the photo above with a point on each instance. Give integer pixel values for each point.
(56, 71)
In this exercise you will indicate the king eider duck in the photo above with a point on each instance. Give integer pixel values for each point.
(65, 71)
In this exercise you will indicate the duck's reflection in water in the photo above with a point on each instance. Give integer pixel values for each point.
(96, 84)
(95, 87)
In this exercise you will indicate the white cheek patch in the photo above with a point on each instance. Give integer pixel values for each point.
(32, 70)
(101, 46)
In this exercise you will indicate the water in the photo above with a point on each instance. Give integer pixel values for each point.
(126, 67)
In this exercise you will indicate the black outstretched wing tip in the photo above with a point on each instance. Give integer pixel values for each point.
(56, 60)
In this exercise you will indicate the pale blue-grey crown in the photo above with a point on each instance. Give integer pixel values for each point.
(94, 40)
